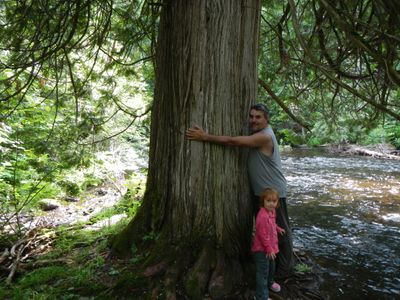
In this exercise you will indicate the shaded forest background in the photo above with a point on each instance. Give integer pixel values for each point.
(77, 81)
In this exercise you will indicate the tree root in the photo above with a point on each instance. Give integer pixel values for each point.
(155, 269)
(226, 276)
(170, 282)
(197, 279)
(210, 273)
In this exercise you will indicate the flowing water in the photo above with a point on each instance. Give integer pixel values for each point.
(345, 214)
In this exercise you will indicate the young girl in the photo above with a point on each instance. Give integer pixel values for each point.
(265, 244)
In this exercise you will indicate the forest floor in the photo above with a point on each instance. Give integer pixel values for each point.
(65, 255)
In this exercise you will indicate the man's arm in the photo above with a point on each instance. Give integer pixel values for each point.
(256, 140)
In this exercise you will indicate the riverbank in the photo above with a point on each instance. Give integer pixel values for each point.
(305, 283)
(382, 151)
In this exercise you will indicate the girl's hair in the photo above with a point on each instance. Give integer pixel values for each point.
(269, 193)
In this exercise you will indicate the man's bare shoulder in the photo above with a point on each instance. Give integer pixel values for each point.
(262, 135)
(258, 140)
(264, 142)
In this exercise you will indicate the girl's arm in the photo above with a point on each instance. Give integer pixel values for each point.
(280, 230)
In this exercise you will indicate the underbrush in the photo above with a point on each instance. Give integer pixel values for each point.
(72, 262)
(78, 265)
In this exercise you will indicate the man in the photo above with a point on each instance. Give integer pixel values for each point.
(265, 170)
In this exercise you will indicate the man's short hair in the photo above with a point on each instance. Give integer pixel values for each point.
(261, 107)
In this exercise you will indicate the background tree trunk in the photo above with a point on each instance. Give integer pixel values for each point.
(197, 194)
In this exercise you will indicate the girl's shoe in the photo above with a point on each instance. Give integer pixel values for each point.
(275, 287)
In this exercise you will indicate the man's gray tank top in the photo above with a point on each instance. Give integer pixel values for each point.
(265, 171)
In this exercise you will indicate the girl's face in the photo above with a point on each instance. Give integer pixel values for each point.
(270, 203)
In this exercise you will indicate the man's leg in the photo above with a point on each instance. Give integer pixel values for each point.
(285, 259)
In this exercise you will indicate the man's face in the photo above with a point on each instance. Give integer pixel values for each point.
(257, 120)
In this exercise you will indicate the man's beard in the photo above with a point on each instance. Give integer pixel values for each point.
(255, 131)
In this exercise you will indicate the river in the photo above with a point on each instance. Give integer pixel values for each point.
(345, 215)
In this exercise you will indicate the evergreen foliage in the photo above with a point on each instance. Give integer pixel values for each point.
(75, 75)
(333, 65)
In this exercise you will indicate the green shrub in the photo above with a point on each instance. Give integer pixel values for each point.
(302, 268)
(375, 136)
(289, 137)
(314, 141)
(71, 188)
(392, 130)
(91, 181)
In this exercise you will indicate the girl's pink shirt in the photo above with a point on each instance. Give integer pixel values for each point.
(266, 236)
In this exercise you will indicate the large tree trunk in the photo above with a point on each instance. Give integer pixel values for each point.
(197, 194)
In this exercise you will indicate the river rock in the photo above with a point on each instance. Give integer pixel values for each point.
(107, 222)
(71, 199)
(392, 217)
(101, 192)
(49, 204)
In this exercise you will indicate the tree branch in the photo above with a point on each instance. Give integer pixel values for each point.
(281, 104)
